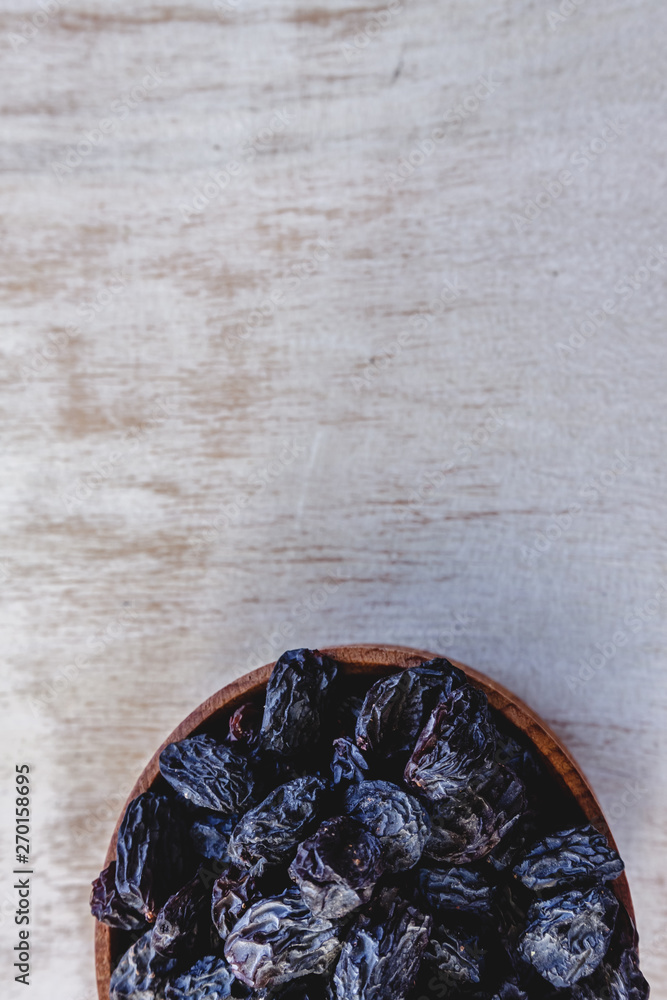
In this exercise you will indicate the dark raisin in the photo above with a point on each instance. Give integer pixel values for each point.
(210, 833)
(182, 921)
(297, 696)
(457, 740)
(273, 829)
(619, 979)
(277, 940)
(107, 906)
(396, 708)
(457, 890)
(152, 845)
(474, 818)
(208, 979)
(576, 857)
(336, 869)
(510, 990)
(236, 888)
(383, 951)
(567, 936)
(140, 975)
(349, 764)
(454, 961)
(397, 819)
(210, 775)
(514, 844)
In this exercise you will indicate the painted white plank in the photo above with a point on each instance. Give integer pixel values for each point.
(282, 324)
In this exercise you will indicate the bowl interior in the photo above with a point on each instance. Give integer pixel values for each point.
(373, 662)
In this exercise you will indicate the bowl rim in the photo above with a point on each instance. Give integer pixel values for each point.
(380, 659)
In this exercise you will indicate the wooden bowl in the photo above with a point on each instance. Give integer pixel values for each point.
(375, 661)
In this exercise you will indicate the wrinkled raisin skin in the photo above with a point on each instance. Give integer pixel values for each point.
(278, 940)
(396, 818)
(273, 829)
(151, 848)
(108, 907)
(336, 869)
(297, 695)
(397, 706)
(210, 775)
(458, 739)
(208, 979)
(578, 856)
(567, 936)
(382, 953)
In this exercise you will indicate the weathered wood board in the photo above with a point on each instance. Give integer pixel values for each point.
(325, 325)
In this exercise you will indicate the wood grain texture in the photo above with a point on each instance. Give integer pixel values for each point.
(375, 661)
(341, 393)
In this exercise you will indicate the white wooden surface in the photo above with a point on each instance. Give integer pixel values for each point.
(323, 399)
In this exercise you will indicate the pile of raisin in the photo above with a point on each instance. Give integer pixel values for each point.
(356, 841)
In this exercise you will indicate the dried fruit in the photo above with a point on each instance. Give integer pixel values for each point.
(209, 774)
(151, 853)
(397, 819)
(207, 979)
(567, 936)
(576, 857)
(307, 988)
(320, 877)
(454, 960)
(510, 990)
(277, 940)
(245, 723)
(273, 829)
(396, 707)
(457, 890)
(381, 955)
(182, 921)
(458, 739)
(107, 906)
(348, 765)
(296, 698)
(237, 887)
(210, 835)
(336, 869)
(139, 975)
(620, 979)
(473, 819)
(514, 844)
